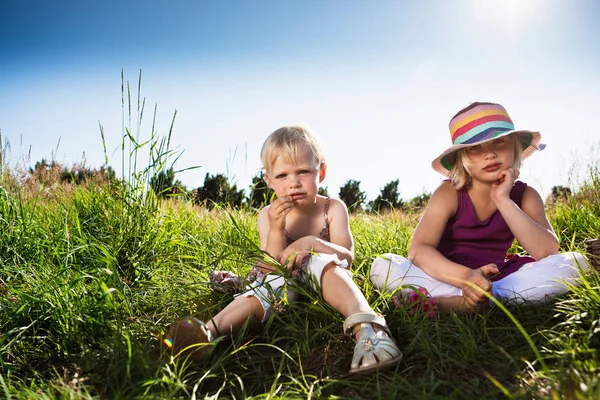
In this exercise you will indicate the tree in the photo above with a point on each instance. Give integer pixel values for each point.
(50, 173)
(218, 191)
(323, 191)
(560, 191)
(260, 193)
(164, 183)
(420, 201)
(79, 173)
(46, 173)
(351, 194)
(388, 199)
(108, 173)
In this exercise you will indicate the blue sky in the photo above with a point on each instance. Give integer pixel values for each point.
(377, 80)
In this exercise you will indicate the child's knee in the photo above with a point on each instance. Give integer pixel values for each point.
(380, 270)
(269, 292)
(319, 264)
(577, 260)
(571, 260)
(379, 267)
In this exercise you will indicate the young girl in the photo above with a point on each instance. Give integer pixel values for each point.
(458, 253)
(310, 235)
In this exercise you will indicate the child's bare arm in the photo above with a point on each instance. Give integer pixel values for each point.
(530, 225)
(271, 228)
(340, 236)
(428, 233)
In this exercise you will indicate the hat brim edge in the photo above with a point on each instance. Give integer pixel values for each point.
(533, 146)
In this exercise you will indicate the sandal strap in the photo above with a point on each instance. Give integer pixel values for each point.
(209, 334)
(365, 318)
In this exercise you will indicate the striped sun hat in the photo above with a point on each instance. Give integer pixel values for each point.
(479, 123)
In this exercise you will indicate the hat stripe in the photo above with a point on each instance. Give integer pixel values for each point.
(497, 125)
(474, 116)
(486, 135)
(480, 107)
(474, 125)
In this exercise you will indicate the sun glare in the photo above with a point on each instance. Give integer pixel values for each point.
(511, 14)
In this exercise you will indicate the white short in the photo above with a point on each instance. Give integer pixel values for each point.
(269, 289)
(535, 281)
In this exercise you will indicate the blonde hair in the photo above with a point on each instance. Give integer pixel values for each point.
(460, 174)
(287, 142)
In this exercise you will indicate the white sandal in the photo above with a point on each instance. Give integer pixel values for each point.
(188, 337)
(372, 351)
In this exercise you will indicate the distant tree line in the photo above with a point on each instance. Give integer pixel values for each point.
(217, 190)
(49, 172)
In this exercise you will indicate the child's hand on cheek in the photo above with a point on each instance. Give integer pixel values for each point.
(277, 212)
(502, 187)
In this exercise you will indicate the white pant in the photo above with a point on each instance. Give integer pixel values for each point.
(534, 281)
(269, 289)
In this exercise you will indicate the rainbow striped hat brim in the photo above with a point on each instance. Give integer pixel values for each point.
(479, 123)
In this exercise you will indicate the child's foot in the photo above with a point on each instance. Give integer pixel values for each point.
(224, 281)
(418, 300)
(457, 304)
(375, 348)
(188, 337)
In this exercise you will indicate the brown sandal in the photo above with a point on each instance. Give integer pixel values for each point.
(188, 337)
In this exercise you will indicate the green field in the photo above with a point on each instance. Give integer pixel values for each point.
(92, 274)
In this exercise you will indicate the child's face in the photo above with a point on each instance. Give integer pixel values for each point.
(299, 180)
(489, 159)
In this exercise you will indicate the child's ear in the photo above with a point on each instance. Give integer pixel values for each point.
(322, 172)
(267, 179)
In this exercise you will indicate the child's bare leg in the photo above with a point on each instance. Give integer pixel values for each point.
(340, 292)
(230, 320)
(189, 337)
(374, 348)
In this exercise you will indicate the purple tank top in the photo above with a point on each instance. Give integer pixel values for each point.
(473, 243)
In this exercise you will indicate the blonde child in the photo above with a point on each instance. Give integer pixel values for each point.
(310, 235)
(459, 249)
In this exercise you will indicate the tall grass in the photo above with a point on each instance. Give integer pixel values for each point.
(91, 276)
